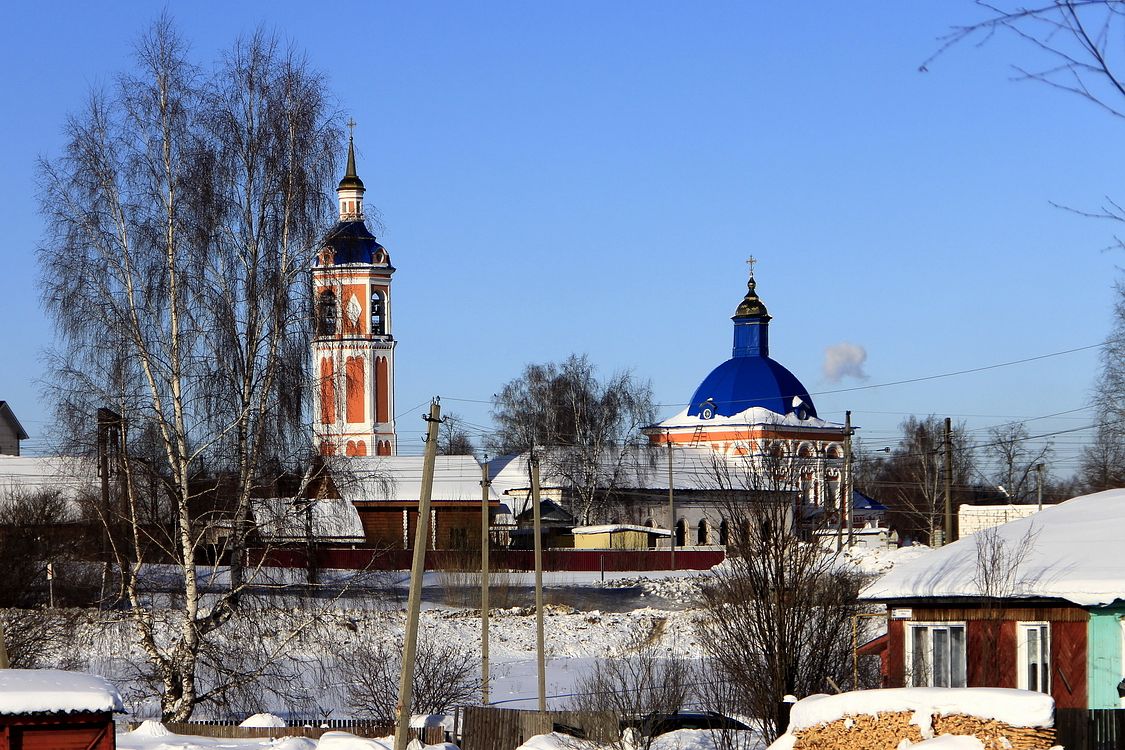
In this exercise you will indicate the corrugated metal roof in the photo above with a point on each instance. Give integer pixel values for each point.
(399, 479)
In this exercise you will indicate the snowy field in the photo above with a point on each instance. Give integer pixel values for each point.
(660, 607)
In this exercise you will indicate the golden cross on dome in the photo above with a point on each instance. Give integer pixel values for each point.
(351, 127)
(750, 262)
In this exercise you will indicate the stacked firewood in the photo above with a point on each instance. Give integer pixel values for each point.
(996, 735)
(887, 730)
(862, 732)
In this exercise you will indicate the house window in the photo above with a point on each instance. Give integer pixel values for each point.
(1033, 650)
(936, 655)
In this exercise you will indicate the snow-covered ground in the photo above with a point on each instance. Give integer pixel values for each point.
(660, 606)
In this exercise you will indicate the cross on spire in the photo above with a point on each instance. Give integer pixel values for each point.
(351, 127)
(750, 262)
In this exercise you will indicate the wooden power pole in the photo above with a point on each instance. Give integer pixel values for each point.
(417, 571)
(671, 507)
(540, 658)
(948, 535)
(1039, 484)
(848, 477)
(484, 543)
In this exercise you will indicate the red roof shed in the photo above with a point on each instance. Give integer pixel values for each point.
(49, 709)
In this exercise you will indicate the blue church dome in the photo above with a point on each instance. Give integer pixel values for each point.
(744, 382)
(750, 378)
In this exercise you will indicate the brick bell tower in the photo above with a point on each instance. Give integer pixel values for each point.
(353, 350)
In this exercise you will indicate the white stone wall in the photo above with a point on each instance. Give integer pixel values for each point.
(974, 518)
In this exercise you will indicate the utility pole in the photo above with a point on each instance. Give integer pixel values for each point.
(948, 535)
(1039, 484)
(484, 542)
(417, 571)
(848, 475)
(541, 661)
(671, 506)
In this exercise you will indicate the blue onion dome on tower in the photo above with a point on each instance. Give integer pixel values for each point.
(750, 378)
(350, 241)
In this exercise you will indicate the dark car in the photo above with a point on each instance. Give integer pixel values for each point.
(653, 725)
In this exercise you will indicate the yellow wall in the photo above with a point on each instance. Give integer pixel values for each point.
(612, 540)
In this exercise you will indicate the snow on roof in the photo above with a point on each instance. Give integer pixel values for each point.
(612, 528)
(284, 519)
(399, 479)
(1076, 554)
(27, 691)
(755, 416)
(640, 467)
(71, 477)
(1018, 708)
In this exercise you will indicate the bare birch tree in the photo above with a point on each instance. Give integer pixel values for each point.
(1015, 459)
(633, 690)
(1074, 46)
(583, 422)
(911, 479)
(181, 217)
(778, 615)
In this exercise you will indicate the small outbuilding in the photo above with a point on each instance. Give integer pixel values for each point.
(617, 536)
(1035, 604)
(49, 709)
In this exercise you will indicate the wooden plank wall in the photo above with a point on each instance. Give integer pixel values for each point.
(1068, 664)
(1097, 729)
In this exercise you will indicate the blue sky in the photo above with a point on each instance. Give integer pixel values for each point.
(590, 177)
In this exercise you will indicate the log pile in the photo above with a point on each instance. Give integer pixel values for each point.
(887, 730)
(863, 732)
(996, 735)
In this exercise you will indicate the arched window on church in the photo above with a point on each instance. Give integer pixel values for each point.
(701, 532)
(724, 533)
(681, 533)
(326, 313)
(378, 313)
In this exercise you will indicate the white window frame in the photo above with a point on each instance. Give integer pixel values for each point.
(1042, 628)
(927, 680)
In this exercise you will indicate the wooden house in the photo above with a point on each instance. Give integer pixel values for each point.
(1037, 604)
(11, 431)
(385, 491)
(556, 526)
(49, 709)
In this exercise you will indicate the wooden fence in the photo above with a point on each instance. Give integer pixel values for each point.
(485, 728)
(297, 728)
(1094, 729)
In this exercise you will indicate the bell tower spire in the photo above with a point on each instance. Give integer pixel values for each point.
(350, 192)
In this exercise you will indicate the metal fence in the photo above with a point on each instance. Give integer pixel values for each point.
(1090, 729)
